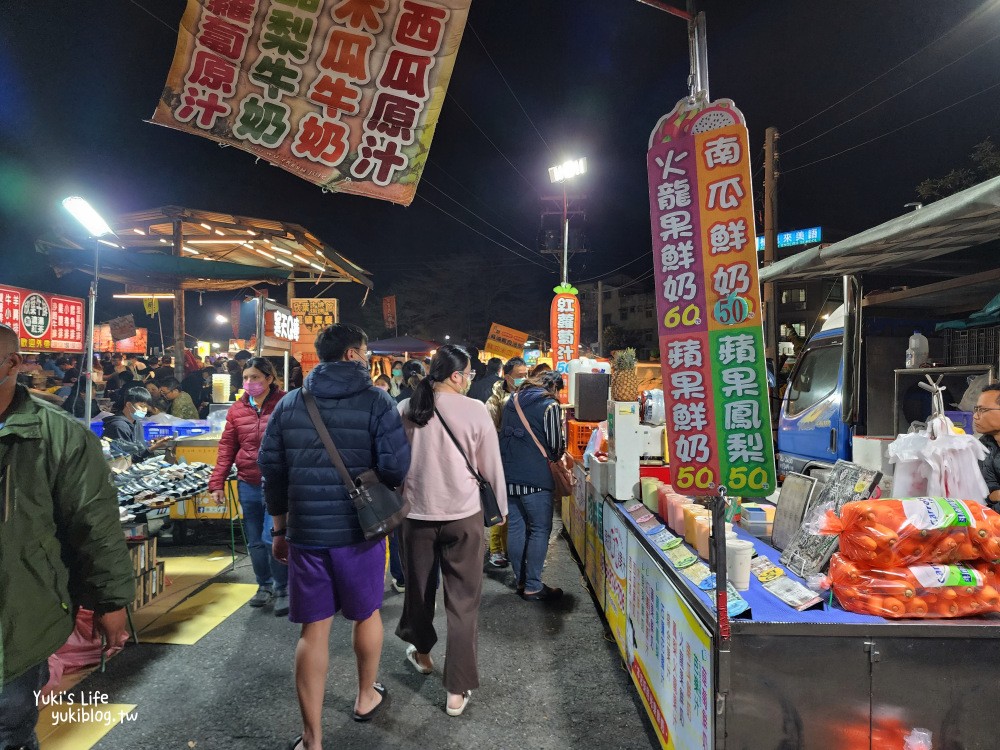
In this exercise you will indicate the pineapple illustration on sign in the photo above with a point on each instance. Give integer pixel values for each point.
(624, 378)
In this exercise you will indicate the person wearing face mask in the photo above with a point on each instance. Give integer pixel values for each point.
(515, 371)
(396, 378)
(445, 523)
(125, 423)
(331, 566)
(61, 544)
(246, 421)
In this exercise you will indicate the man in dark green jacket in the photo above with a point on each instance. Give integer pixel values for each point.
(61, 544)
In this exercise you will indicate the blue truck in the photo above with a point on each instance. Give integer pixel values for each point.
(848, 390)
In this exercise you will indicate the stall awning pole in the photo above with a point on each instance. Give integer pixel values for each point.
(178, 309)
(88, 412)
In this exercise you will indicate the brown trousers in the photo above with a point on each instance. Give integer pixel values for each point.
(458, 545)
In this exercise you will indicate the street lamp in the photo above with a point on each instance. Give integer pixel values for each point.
(559, 174)
(220, 318)
(96, 227)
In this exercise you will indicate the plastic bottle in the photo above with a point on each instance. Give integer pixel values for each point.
(918, 351)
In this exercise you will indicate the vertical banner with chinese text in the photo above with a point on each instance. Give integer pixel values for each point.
(708, 304)
(564, 320)
(389, 318)
(343, 93)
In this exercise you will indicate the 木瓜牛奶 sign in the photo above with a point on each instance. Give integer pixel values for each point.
(43, 322)
(708, 302)
(343, 93)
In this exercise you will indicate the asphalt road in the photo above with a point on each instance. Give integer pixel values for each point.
(551, 680)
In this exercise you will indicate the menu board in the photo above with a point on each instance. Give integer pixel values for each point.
(43, 322)
(616, 573)
(669, 655)
(708, 308)
(807, 554)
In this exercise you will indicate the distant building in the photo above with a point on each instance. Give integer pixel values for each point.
(627, 305)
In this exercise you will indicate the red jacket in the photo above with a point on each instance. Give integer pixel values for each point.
(240, 441)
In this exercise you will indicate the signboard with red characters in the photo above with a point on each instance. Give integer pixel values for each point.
(343, 93)
(708, 302)
(43, 322)
(564, 321)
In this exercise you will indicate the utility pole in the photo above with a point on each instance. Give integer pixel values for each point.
(600, 318)
(770, 242)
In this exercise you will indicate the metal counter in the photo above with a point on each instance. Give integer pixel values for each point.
(826, 678)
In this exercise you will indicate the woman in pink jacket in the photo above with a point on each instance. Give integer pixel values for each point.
(239, 444)
(446, 518)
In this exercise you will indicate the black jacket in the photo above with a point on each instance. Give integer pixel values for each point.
(117, 427)
(990, 466)
(482, 388)
(300, 479)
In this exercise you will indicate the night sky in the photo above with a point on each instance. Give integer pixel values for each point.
(77, 81)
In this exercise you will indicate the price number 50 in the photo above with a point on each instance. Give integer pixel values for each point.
(687, 477)
(742, 478)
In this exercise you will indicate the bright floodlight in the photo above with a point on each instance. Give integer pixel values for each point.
(221, 318)
(84, 213)
(566, 170)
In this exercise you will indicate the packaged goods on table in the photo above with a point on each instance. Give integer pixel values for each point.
(895, 533)
(916, 591)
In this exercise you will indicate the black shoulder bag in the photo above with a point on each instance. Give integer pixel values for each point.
(491, 508)
(379, 507)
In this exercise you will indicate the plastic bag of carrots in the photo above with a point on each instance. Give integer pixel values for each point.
(918, 591)
(894, 533)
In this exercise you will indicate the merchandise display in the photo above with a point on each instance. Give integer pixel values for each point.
(892, 533)
(918, 591)
(155, 483)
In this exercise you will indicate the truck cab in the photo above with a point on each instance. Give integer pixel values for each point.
(849, 387)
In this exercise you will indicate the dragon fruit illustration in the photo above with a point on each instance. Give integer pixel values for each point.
(700, 116)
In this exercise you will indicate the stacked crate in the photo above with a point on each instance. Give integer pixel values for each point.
(148, 571)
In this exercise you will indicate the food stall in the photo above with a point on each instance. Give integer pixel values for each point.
(730, 641)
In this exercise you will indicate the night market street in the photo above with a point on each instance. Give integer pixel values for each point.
(550, 680)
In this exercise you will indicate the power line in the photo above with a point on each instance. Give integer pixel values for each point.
(153, 15)
(454, 101)
(893, 96)
(467, 190)
(523, 110)
(877, 78)
(645, 255)
(486, 236)
(491, 226)
(896, 130)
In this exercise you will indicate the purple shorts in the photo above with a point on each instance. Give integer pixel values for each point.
(322, 582)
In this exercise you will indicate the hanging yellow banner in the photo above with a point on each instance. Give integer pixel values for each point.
(343, 93)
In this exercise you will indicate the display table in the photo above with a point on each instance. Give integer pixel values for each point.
(822, 678)
(202, 507)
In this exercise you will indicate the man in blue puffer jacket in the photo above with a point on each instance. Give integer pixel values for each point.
(330, 565)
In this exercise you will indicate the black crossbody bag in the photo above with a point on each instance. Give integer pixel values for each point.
(491, 508)
(379, 507)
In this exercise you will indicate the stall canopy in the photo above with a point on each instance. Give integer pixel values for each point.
(965, 220)
(225, 252)
(402, 345)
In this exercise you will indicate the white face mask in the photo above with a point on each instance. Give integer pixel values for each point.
(139, 413)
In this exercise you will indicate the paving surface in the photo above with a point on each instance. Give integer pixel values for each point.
(550, 679)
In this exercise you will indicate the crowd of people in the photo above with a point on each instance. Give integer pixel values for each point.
(427, 431)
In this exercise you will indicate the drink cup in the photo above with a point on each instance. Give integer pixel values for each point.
(738, 555)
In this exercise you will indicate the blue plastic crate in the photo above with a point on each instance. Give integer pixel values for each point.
(97, 427)
(153, 431)
(200, 427)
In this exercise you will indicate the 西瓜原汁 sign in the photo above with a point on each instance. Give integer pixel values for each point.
(43, 322)
(708, 302)
(343, 93)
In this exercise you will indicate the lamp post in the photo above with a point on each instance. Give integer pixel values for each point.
(559, 174)
(96, 227)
